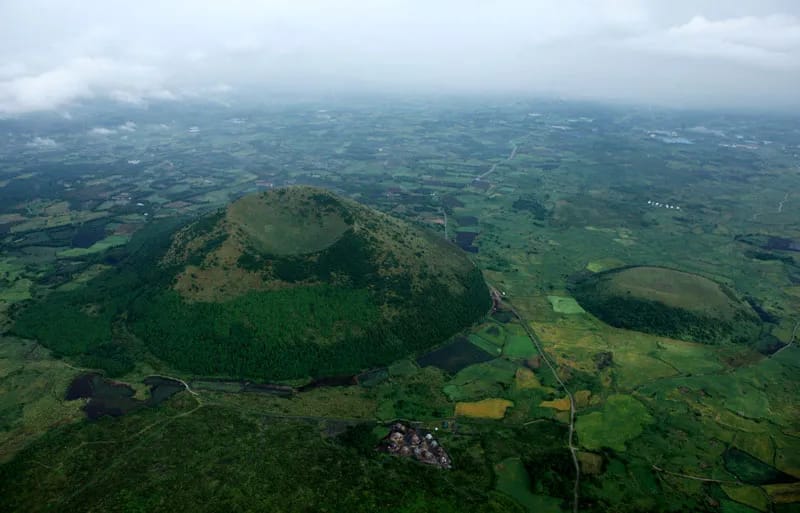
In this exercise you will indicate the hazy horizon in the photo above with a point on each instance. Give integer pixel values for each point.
(742, 55)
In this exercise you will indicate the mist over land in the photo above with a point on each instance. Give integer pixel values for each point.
(740, 54)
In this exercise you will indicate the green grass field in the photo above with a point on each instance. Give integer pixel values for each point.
(565, 305)
(275, 229)
(621, 419)
(98, 247)
(513, 480)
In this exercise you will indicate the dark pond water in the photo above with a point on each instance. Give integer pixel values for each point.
(81, 387)
(454, 356)
(239, 386)
(332, 381)
(88, 234)
(782, 244)
(161, 389)
(464, 241)
(105, 397)
(751, 470)
(115, 399)
(58, 236)
(268, 388)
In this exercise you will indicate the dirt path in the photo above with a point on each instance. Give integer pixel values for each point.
(129, 446)
(513, 153)
(494, 166)
(185, 384)
(784, 200)
(791, 340)
(779, 210)
(487, 173)
(696, 478)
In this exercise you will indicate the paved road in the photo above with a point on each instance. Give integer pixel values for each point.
(572, 448)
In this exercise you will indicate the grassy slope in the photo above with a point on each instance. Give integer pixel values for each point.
(669, 303)
(674, 288)
(256, 245)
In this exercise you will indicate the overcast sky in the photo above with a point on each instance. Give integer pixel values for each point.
(721, 53)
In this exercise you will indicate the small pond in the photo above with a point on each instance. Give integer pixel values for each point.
(454, 356)
(112, 398)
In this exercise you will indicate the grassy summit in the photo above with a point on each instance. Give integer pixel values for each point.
(289, 283)
(290, 221)
(302, 236)
(668, 302)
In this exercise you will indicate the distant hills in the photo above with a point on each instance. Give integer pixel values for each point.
(668, 302)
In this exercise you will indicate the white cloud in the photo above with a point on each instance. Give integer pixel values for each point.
(196, 56)
(11, 69)
(81, 79)
(42, 143)
(244, 44)
(128, 126)
(102, 131)
(770, 41)
(56, 54)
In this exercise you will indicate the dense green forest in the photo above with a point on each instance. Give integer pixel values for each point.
(81, 323)
(312, 329)
(274, 334)
(302, 331)
(217, 459)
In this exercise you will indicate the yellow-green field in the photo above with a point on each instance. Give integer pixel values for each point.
(484, 409)
(32, 388)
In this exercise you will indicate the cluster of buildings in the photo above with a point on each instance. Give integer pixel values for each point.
(662, 205)
(407, 442)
